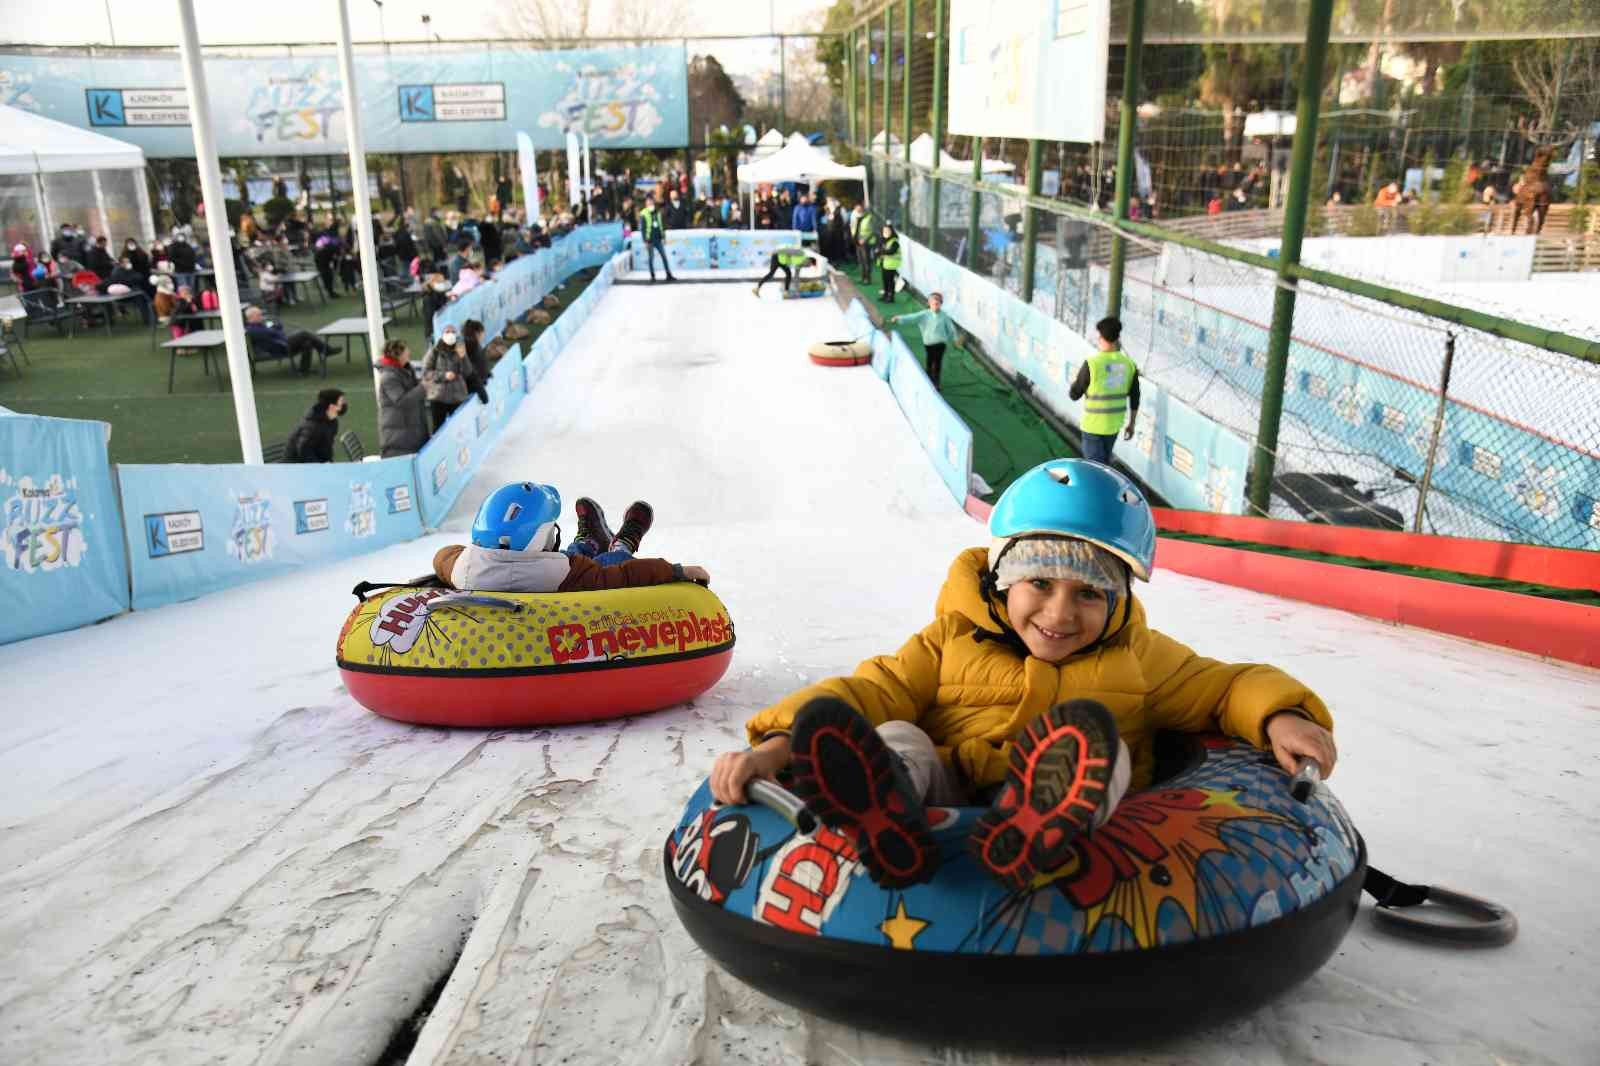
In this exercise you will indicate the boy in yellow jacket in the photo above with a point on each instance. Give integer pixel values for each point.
(1038, 683)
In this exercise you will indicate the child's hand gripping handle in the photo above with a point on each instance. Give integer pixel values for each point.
(1307, 776)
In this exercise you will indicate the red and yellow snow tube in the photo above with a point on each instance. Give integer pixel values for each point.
(440, 657)
(840, 353)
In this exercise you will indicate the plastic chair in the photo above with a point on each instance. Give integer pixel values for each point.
(274, 453)
(353, 449)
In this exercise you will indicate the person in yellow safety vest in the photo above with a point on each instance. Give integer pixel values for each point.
(654, 235)
(888, 261)
(861, 234)
(789, 260)
(1110, 380)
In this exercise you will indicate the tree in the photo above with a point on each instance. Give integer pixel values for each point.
(713, 99)
(577, 20)
(1554, 75)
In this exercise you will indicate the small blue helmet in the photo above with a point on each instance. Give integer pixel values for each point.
(519, 517)
(1082, 499)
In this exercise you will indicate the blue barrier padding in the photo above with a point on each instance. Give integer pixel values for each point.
(715, 249)
(1192, 461)
(943, 435)
(196, 528)
(884, 353)
(522, 284)
(62, 563)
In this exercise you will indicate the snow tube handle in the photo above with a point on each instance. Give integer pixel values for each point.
(1307, 776)
(477, 599)
(1491, 924)
(783, 803)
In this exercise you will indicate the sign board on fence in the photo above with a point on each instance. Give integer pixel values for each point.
(197, 528)
(62, 562)
(1029, 68)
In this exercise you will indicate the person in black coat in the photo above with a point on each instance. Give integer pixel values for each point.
(140, 260)
(405, 245)
(312, 440)
(472, 332)
(489, 240)
(99, 259)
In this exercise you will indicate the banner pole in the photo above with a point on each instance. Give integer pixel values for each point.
(194, 76)
(370, 277)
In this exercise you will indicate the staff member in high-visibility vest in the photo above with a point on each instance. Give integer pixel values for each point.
(1110, 380)
(654, 235)
(888, 261)
(789, 260)
(861, 234)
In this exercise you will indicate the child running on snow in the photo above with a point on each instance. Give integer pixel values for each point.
(516, 541)
(1038, 684)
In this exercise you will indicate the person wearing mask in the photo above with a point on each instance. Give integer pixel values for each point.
(312, 440)
(676, 215)
(405, 245)
(402, 403)
(435, 295)
(1111, 381)
(445, 376)
(272, 338)
(888, 261)
(22, 267)
(122, 279)
(137, 256)
(183, 258)
(654, 235)
(68, 244)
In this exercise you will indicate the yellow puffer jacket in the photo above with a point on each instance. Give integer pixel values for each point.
(973, 696)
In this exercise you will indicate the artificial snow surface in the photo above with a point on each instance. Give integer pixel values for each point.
(213, 855)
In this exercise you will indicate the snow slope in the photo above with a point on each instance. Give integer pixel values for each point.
(212, 855)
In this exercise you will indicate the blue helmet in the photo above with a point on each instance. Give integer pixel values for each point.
(1081, 499)
(519, 517)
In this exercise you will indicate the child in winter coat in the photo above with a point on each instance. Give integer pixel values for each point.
(516, 541)
(1039, 683)
(447, 376)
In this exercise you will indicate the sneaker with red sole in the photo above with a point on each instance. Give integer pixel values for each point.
(592, 525)
(853, 783)
(636, 521)
(1060, 769)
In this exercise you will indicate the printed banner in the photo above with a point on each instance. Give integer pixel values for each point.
(1191, 461)
(941, 432)
(522, 284)
(624, 97)
(715, 249)
(61, 563)
(197, 528)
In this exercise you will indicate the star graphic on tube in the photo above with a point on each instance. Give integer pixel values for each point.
(902, 929)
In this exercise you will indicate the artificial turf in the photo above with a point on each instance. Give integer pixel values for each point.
(1008, 436)
(120, 380)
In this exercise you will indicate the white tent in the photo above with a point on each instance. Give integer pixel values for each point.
(770, 144)
(922, 154)
(798, 160)
(884, 141)
(69, 175)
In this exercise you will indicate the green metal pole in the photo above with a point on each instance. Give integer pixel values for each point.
(1294, 225)
(938, 117)
(905, 83)
(1030, 220)
(850, 83)
(1125, 133)
(866, 81)
(975, 211)
(888, 69)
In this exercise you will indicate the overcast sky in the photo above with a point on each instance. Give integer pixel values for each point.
(155, 22)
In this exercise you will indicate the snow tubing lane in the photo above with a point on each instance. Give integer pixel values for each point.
(490, 660)
(840, 353)
(1204, 897)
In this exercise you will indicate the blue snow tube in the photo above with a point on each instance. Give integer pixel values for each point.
(1204, 896)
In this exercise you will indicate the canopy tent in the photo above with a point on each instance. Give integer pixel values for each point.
(770, 144)
(798, 160)
(52, 173)
(922, 155)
